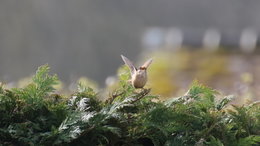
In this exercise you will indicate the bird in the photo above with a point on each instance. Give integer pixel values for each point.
(138, 75)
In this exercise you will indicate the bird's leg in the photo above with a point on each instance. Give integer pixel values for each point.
(136, 91)
(139, 90)
(143, 89)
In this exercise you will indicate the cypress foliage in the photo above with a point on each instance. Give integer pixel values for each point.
(35, 115)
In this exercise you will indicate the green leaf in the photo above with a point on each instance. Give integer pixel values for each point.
(223, 102)
(214, 142)
(249, 141)
(43, 81)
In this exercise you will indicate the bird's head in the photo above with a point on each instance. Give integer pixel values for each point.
(141, 70)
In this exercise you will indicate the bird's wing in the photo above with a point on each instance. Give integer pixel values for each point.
(129, 64)
(147, 63)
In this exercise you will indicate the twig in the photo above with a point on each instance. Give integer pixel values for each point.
(114, 96)
(142, 94)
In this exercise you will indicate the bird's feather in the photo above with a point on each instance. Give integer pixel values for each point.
(129, 64)
(147, 63)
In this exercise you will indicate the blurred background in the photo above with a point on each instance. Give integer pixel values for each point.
(215, 42)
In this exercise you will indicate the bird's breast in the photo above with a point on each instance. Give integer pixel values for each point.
(139, 81)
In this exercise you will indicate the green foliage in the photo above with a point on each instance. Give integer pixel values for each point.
(35, 115)
(29, 113)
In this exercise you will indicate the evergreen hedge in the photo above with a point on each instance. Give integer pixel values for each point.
(35, 115)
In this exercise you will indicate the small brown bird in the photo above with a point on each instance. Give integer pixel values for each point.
(138, 75)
